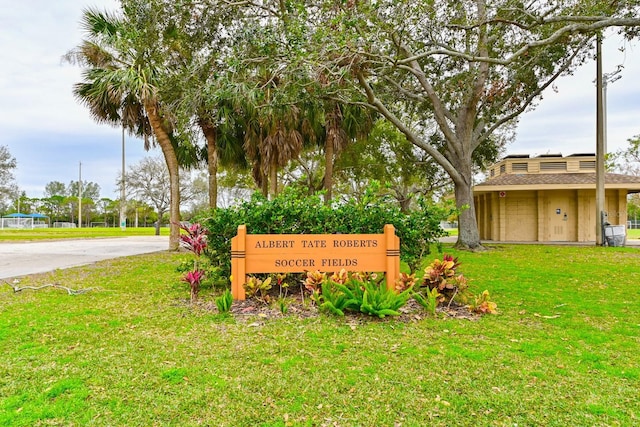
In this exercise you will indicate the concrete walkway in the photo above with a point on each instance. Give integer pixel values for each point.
(21, 259)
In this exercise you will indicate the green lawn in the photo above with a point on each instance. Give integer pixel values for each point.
(67, 233)
(631, 233)
(75, 233)
(564, 351)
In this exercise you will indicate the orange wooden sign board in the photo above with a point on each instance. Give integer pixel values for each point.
(297, 253)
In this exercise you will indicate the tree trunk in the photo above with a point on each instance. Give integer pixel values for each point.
(171, 159)
(158, 223)
(468, 235)
(212, 163)
(405, 203)
(264, 185)
(328, 170)
(273, 180)
(335, 139)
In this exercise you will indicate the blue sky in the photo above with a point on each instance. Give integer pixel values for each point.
(49, 133)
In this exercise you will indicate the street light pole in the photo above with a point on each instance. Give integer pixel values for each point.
(123, 201)
(80, 196)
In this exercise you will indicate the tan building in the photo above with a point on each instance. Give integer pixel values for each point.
(548, 198)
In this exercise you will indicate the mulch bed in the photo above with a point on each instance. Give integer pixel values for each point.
(251, 310)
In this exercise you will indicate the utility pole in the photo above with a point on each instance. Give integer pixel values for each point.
(123, 201)
(600, 190)
(80, 196)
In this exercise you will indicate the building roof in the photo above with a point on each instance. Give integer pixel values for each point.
(557, 181)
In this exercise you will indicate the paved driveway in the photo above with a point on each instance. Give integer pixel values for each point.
(21, 259)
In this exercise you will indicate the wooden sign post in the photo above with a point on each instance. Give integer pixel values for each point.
(297, 253)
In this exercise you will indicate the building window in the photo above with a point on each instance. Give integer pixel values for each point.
(503, 168)
(553, 166)
(493, 172)
(588, 164)
(520, 167)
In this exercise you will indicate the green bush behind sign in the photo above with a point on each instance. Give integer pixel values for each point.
(293, 212)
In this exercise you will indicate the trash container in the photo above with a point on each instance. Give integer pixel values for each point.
(615, 235)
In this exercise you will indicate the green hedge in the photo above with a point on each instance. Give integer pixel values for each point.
(292, 212)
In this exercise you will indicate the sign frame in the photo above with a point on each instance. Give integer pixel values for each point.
(297, 253)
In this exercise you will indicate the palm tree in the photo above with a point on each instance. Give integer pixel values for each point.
(120, 88)
(343, 123)
(195, 39)
(224, 146)
(215, 107)
(272, 139)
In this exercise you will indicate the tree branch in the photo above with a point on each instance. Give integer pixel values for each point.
(469, 109)
(70, 291)
(572, 28)
(533, 96)
(404, 91)
(380, 107)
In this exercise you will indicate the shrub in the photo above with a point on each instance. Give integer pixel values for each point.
(258, 288)
(429, 300)
(336, 298)
(194, 239)
(378, 300)
(224, 301)
(194, 279)
(293, 212)
(357, 292)
(442, 276)
(483, 304)
(441, 281)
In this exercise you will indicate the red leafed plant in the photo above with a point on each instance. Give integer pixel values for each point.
(195, 240)
(194, 278)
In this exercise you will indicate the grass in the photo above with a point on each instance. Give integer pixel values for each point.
(75, 233)
(631, 233)
(564, 350)
(451, 231)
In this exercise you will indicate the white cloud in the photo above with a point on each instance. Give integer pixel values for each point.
(565, 121)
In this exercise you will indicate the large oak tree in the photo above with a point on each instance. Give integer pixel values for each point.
(452, 75)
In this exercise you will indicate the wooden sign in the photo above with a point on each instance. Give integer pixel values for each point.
(297, 253)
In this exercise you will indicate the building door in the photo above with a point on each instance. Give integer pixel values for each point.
(558, 219)
(521, 216)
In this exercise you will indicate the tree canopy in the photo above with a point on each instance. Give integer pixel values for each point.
(452, 76)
